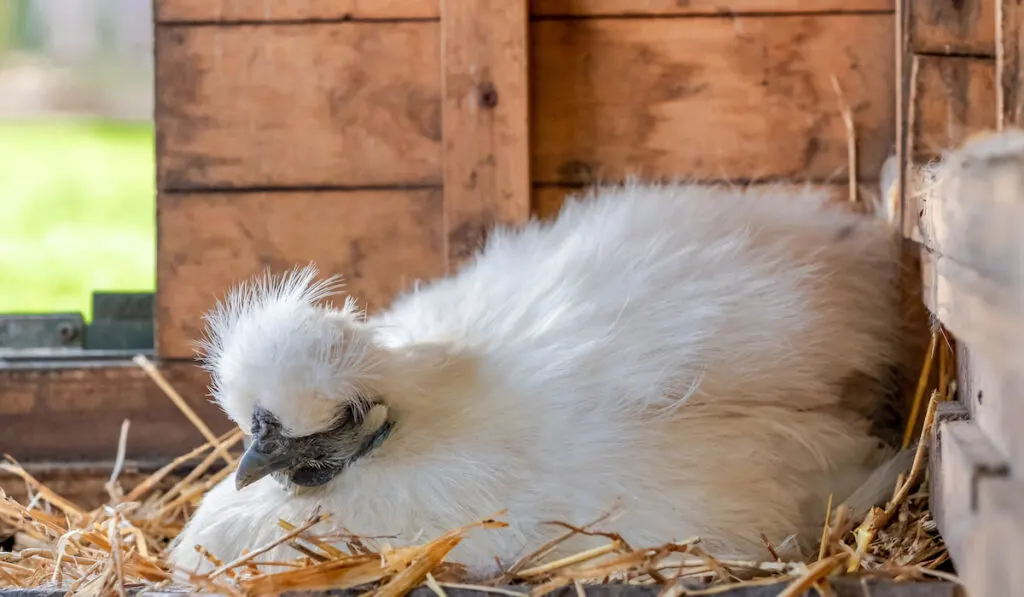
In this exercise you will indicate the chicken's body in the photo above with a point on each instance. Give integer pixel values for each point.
(707, 360)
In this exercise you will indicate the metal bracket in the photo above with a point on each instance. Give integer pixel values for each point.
(122, 325)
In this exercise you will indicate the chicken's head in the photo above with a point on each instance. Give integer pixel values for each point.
(296, 374)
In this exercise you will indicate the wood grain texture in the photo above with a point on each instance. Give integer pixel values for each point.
(982, 190)
(997, 404)
(1009, 55)
(745, 98)
(719, 98)
(972, 221)
(486, 119)
(352, 104)
(990, 380)
(953, 98)
(227, 11)
(950, 98)
(960, 27)
(997, 547)
(581, 8)
(965, 458)
(74, 413)
(977, 309)
(83, 484)
(381, 241)
(943, 495)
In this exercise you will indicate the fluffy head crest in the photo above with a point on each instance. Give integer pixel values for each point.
(275, 341)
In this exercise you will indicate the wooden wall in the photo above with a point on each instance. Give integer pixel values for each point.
(379, 139)
(961, 81)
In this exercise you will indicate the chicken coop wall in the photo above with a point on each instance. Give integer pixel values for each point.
(961, 103)
(380, 142)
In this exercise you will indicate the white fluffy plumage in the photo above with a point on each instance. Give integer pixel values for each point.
(709, 361)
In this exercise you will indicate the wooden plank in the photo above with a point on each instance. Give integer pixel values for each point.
(963, 27)
(83, 484)
(228, 11)
(612, 8)
(855, 586)
(381, 241)
(950, 99)
(997, 546)
(744, 98)
(752, 98)
(962, 458)
(1009, 50)
(976, 309)
(74, 412)
(999, 392)
(954, 98)
(342, 104)
(990, 381)
(486, 120)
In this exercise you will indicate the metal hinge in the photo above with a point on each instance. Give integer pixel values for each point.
(122, 325)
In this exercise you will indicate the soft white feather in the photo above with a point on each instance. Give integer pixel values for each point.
(705, 359)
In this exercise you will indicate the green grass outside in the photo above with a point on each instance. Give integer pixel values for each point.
(76, 213)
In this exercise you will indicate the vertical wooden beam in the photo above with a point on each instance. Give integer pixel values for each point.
(1009, 44)
(485, 112)
(954, 27)
(903, 62)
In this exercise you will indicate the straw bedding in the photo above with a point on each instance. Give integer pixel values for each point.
(120, 546)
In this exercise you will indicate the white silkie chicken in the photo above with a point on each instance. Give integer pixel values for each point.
(712, 362)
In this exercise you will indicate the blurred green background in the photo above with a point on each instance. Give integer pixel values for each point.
(77, 173)
(77, 201)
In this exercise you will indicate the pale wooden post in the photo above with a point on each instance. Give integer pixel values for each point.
(485, 115)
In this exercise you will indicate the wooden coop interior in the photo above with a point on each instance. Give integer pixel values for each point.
(382, 139)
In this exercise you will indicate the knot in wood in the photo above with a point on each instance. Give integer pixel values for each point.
(488, 95)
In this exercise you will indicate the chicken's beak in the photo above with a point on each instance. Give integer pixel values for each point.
(255, 465)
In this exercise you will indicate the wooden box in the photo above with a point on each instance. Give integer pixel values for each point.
(960, 84)
(382, 138)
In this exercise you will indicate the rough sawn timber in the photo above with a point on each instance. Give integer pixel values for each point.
(233, 11)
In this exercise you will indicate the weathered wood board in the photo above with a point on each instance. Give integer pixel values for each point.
(973, 278)
(748, 98)
(842, 588)
(1009, 71)
(548, 200)
(727, 99)
(336, 105)
(486, 121)
(74, 414)
(382, 241)
(308, 162)
(953, 99)
(229, 11)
